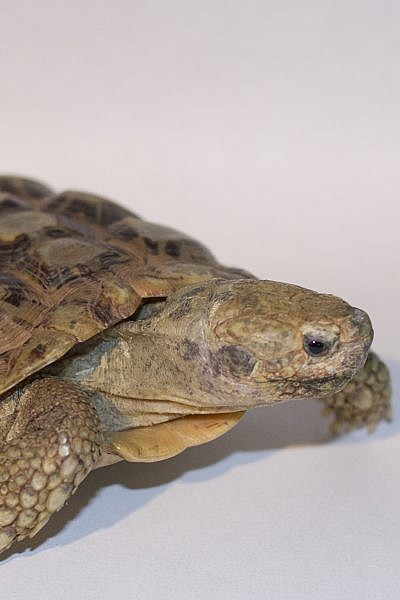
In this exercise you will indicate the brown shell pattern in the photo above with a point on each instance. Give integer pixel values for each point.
(74, 264)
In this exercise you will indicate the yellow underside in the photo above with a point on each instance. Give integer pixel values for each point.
(158, 442)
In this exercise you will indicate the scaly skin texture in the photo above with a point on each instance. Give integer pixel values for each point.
(54, 442)
(364, 402)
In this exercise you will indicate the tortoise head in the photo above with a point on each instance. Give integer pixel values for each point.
(249, 342)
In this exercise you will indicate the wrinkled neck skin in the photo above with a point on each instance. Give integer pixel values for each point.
(219, 347)
(159, 374)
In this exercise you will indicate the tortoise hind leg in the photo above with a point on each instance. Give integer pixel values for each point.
(53, 444)
(365, 401)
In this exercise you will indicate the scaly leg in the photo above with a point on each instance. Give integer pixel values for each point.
(365, 401)
(53, 444)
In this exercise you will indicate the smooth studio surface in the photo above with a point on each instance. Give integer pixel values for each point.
(270, 132)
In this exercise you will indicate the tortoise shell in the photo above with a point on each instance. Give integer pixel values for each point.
(74, 264)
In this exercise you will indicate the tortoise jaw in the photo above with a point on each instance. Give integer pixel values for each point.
(317, 387)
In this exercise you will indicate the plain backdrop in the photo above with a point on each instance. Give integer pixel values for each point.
(269, 130)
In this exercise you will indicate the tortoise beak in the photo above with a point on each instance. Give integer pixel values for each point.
(363, 327)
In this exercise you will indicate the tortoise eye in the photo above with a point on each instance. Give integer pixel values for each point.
(315, 346)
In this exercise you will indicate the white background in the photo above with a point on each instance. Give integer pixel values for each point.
(270, 131)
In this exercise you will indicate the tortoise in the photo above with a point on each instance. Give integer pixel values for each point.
(121, 339)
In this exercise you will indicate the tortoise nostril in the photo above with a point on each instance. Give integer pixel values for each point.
(362, 321)
(359, 316)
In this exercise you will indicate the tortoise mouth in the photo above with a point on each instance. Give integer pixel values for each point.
(320, 386)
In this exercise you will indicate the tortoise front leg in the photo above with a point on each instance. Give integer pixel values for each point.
(53, 444)
(365, 401)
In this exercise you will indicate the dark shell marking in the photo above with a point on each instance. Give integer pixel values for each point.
(74, 264)
(27, 189)
(10, 203)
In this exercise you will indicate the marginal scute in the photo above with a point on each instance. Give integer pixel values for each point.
(9, 203)
(28, 189)
(28, 222)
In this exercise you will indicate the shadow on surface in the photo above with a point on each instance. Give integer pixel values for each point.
(259, 434)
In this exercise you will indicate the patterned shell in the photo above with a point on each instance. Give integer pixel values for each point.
(73, 264)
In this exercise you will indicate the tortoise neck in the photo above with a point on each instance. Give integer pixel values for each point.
(9, 410)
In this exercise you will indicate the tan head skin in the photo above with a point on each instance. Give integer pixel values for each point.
(222, 346)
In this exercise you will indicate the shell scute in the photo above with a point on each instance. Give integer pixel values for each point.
(87, 208)
(22, 187)
(74, 264)
(9, 203)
